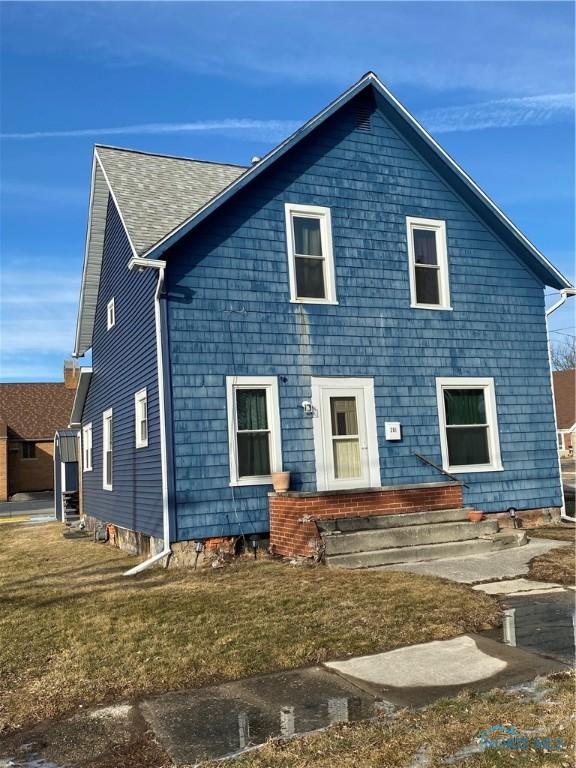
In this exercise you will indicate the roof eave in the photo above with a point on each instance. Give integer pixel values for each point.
(80, 397)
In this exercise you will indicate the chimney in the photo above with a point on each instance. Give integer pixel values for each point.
(71, 374)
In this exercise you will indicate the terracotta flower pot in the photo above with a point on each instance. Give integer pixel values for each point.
(281, 481)
(475, 516)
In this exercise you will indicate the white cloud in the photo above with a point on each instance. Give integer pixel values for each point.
(501, 113)
(264, 129)
(38, 315)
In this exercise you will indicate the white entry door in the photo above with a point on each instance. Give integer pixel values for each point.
(345, 439)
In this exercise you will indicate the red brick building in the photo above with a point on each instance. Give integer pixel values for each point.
(565, 399)
(30, 414)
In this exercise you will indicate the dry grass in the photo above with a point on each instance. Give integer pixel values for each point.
(428, 737)
(562, 532)
(74, 631)
(558, 566)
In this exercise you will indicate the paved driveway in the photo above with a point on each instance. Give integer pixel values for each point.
(27, 511)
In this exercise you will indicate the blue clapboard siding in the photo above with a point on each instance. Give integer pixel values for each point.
(229, 313)
(124, 361)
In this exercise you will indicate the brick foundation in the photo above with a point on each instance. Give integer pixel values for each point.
(293, 532)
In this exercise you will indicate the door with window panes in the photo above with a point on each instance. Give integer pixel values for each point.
(347, 456)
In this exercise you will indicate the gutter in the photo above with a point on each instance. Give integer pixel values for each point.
(141, 264)
(564, 294)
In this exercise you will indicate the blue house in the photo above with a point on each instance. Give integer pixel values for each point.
(352, 308)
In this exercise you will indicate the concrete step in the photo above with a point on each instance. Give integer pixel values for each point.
(395, 521)
(406, 537)
(395, 555)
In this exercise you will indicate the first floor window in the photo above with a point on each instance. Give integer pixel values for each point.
(468, 420)
(560, 437)
(254, 429)
(87, 448)
(311, 261)
(141, 412)
(428, 263)
(28, 450)
(107, 450)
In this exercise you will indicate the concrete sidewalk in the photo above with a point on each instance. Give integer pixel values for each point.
(223, 720)
(504, 564)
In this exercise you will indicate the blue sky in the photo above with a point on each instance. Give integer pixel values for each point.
(494, 82)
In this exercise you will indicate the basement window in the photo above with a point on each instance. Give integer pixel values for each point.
(468, 425)
(253, 429)
(429, 286)
(310, 256)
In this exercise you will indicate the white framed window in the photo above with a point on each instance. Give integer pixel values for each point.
(560, 437)
(141, 418)
(428, 257)
(107, 463)
(468, 425)
(87, 448)
(110, 314)
(253, 429)
(310, 254)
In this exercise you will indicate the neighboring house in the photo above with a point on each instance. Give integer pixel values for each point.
(30, 414)
(565, 399)
(347, 303)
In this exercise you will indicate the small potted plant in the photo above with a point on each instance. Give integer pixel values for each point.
(475, 516)
(281, 481)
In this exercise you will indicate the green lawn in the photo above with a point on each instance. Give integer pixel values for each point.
(74, 631)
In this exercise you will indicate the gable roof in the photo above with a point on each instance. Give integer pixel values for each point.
(35, 411)
(201, 196)
(565, 398)
(155, 194)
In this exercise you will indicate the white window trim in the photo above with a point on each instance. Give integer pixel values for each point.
(439, 227)
(105, 416)
(324, 215)
(138, 398)
(367, 384)
(110, 314)
(270, 384)
(87, 430)
(487, 384)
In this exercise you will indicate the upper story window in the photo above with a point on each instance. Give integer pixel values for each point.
(253, 429)
(110, 314)
(87, 448)
(429, 284)
(310, 256)
(107, 463)
(468, 424)
(28, 450)
(141, 413)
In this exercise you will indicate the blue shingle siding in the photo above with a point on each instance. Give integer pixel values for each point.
(124, 361)
(229, 313)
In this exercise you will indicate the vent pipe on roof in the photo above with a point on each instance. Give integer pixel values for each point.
(255, 160)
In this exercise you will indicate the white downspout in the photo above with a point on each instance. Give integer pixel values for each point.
(564, 294)
(141, 264)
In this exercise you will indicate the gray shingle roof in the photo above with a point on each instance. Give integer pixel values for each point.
(156, 193)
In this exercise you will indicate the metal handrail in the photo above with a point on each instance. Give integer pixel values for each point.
(440, 469)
